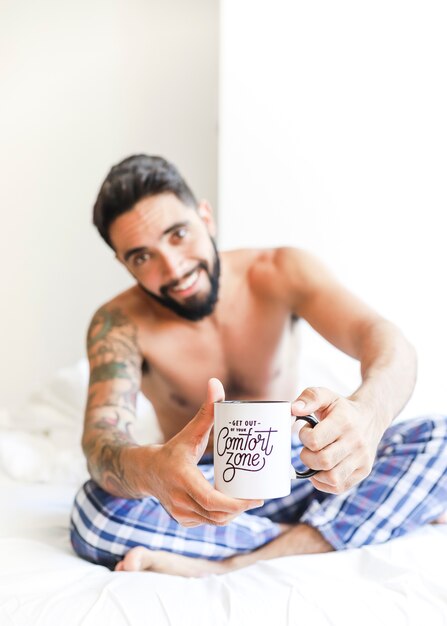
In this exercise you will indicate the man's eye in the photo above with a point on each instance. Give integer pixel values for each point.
(141, 258)
(181, 233)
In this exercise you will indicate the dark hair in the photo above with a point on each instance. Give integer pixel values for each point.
(130, 180)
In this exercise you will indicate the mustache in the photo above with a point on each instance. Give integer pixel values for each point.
(165, 288)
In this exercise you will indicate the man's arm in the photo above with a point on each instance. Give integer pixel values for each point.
(388, 369)
(344, 444)
(115, 376)
(388, 361)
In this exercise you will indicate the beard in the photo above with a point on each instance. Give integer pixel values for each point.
(195, 308)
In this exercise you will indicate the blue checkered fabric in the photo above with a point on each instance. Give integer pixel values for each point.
(406, 489)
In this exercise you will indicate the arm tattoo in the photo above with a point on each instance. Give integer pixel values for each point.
(103, 447)
(115, 376)
(114, 356)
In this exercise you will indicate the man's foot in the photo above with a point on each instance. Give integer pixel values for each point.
(141, 559)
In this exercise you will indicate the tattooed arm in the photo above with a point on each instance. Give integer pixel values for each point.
(115, 376)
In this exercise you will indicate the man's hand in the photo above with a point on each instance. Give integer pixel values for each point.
(180, 486)
(343, 445)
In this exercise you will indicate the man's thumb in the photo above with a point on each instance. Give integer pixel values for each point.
(204, 418)
(215, 392)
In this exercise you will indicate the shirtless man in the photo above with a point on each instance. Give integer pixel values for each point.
(201, 324)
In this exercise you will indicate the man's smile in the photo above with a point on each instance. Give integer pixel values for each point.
(187, 285)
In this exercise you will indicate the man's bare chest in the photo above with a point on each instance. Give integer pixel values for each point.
(253, 359)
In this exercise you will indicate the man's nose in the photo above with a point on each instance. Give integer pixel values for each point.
(172, 265)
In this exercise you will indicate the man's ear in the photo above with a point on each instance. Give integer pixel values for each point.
(205, 212)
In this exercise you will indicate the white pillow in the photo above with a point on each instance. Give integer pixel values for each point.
(41, 442)
(57, 408)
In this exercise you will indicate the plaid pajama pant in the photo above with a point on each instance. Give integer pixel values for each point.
(406, 488)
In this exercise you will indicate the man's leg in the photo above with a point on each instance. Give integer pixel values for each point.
(104, 529)
(289, 539)
(406, 489)
(293, 540)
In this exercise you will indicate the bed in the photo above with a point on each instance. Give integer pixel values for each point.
(42, 582)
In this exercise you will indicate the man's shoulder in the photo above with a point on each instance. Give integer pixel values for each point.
(265, 259)
(279, 264)
(283, 274)
(125, 306)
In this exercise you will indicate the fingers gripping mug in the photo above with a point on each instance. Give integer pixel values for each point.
(252, 444)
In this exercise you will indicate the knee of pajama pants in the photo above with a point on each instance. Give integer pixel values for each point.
(85, 535)
(90, 553)
(406, 489)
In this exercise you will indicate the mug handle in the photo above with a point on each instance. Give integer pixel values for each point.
(310, 419)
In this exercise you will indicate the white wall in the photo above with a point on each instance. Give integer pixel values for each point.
(333, 135)
(84, 84)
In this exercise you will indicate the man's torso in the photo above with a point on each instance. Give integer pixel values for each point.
(250, 344)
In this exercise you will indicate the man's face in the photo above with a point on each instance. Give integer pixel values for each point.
(167, 247)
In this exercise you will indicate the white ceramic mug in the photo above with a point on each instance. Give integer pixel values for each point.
(252, 448)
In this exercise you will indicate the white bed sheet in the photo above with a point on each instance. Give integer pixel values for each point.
(42, 582)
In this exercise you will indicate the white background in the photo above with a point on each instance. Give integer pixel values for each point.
(84, 84)
(334, 138)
